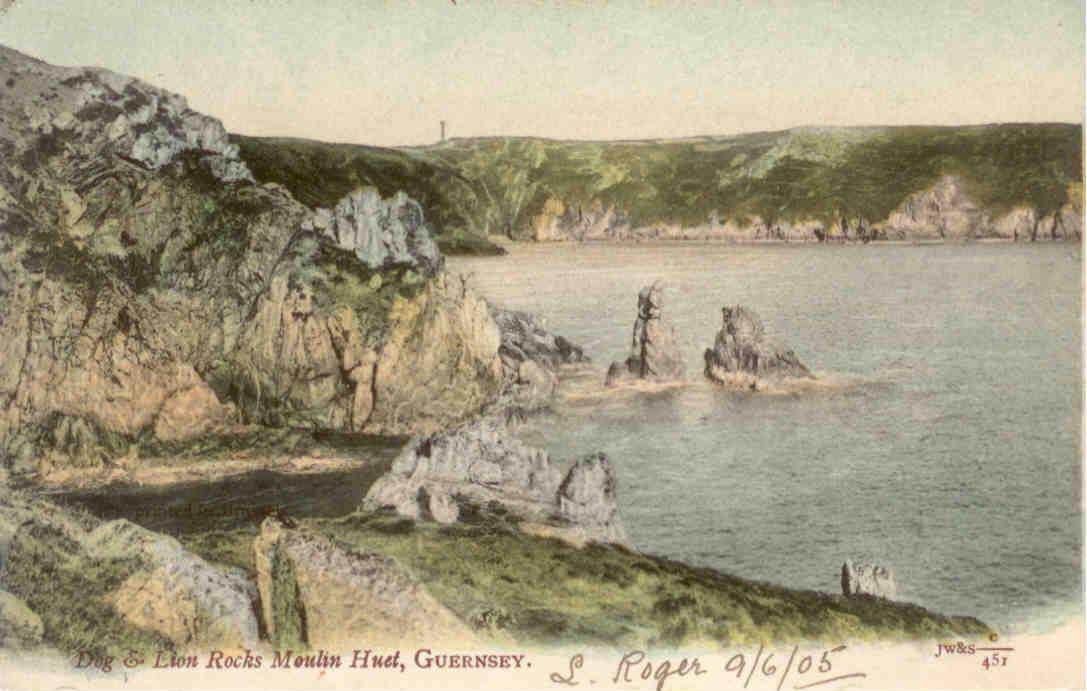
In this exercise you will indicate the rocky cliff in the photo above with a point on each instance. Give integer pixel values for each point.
(945, 211)
(531, 356)
(150, 290)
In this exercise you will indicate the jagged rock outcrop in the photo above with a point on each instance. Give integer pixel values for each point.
(587, 498)
(743, 356)
(481, 463)
(382, 233)
(531, 356)
(1024, 224)
(654, 348)
(945, 211)
(868, 579)
(316, 593)
(525, 338)
(439, 361)
(175, 592)
(147, 580)
(150, 291)
(102, 113)
(557, 221)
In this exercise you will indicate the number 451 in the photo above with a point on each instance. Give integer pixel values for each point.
(995, 660)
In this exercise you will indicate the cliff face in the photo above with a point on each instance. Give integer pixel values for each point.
(150, 290)
(945, 211)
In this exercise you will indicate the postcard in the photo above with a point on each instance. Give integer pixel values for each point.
(543, 345)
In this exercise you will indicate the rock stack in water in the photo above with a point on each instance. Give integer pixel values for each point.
(868, 579)
(743, 356)
(482, 465)
(654, 348)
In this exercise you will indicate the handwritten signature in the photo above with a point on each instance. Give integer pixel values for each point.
(809, 669)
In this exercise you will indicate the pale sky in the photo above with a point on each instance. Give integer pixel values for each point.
(385, 73)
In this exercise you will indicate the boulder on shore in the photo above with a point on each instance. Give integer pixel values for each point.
(743, 356)
(868, 579)
(482, 465)
(654, 348)
(316, 593)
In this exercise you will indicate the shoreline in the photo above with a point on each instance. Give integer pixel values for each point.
(508, 244)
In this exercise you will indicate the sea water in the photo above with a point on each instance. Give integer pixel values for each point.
(942, 440)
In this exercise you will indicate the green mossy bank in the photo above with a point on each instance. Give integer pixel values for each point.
(513, 587)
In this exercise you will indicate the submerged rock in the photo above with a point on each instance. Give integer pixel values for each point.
(481, 464)
(316, 593)
(654, 348)
(868, 579)
(744, 356)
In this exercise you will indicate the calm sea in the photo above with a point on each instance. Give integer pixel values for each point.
(943, 441)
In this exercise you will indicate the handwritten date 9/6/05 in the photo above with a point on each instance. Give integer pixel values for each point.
(808, 670)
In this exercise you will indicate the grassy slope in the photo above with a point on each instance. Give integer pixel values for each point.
(476, 186)
(320, 174)
(515, 587)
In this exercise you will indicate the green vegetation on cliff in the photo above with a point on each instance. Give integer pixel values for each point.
(475, 187)
(514, 587)
(319, 175)
(70, 594)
